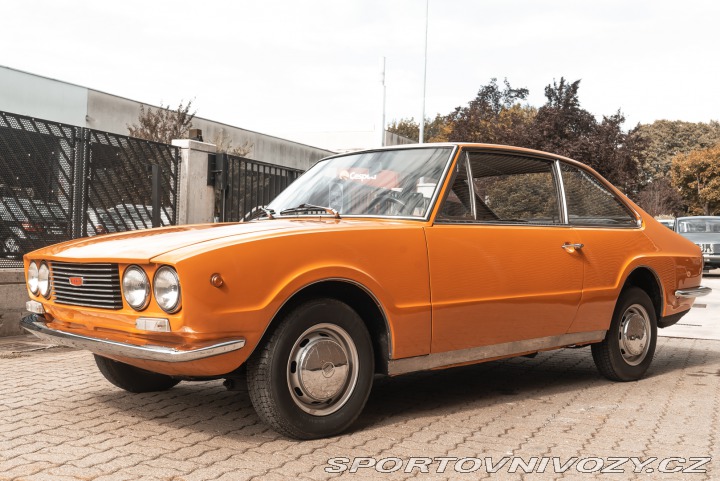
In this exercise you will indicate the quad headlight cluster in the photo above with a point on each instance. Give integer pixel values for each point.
(39, 279)
(165, 288)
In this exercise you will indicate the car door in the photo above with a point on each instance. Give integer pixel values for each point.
(612, 237)
(503, 265)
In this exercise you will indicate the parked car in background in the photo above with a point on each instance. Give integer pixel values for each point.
(136, 216)
(120, 218)
(385, 261)
(704, 231)
(28, 224)
(669, 223)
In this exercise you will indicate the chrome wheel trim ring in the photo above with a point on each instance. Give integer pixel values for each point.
(634, 334)
(322, 369)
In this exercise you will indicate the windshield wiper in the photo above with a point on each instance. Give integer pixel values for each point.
(261, 209)
(311, 207)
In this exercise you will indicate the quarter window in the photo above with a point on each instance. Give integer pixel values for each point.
(589, 202)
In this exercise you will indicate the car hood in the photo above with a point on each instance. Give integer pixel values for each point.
(703, 237)
(143, 245)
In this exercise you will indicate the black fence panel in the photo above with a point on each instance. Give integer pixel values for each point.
(249, 184)
(59, 182)
(118, 183)
(37, 185)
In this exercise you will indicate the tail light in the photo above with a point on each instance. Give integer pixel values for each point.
(30, 227)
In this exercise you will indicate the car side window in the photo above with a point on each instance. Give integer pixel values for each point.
(513, 189)
(589, 202)
(457, 205)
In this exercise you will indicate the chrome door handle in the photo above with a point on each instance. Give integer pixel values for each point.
(570, 247)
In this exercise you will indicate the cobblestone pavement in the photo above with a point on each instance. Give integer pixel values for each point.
(60, 420)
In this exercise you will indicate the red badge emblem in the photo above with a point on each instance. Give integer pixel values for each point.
(76, 281)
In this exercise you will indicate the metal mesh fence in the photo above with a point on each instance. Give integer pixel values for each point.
(118, 183)
(59, 182)
(251, 184)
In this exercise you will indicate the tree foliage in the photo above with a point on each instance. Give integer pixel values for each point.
(494, 116)
(563, 127)
(163, 124)
(660, 197)
(667, 138)
(224, 143)
(697, 176)
(410, 129)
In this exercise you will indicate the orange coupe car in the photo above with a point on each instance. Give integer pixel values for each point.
(382, 261)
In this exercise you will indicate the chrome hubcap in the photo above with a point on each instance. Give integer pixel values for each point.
(635, 334)
(322, 369)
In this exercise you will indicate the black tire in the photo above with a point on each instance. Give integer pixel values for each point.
(131, 378)
(629, 345)
(329, 336)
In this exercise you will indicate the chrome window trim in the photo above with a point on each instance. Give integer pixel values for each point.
(471, 183)
(561, 186)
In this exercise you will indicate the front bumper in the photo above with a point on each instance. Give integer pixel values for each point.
(36, 325)
(693, 292)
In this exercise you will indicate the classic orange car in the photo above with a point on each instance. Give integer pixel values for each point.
(384, 261)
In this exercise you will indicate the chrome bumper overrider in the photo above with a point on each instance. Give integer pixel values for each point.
(37, 326)
(693, 292)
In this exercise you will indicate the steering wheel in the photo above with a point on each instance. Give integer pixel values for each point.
(386, 198)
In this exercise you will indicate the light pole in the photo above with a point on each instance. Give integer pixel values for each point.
(382, 106)
(422, 117)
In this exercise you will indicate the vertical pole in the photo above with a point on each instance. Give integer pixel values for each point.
(381, 129)
(82, 172)
(422, 116)
(156, 194)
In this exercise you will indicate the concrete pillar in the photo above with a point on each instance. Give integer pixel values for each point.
(13, 295)
(196, 199)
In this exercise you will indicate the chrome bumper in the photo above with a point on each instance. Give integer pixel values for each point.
(693, 292)
(36, 325)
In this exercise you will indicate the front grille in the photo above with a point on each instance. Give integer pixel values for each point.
(100, 285)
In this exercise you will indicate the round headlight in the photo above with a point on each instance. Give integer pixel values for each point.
(166, 287)
(44, 279)
(32, 277)
(136, 288)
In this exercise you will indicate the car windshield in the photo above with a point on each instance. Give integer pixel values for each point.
(398, 183)
(698, 225)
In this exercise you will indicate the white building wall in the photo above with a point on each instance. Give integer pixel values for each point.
(45, 98)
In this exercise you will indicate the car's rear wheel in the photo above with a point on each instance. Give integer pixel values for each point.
(313, 376)
(629, 345)
(131, 378)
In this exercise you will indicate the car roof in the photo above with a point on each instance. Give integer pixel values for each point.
(466, 145)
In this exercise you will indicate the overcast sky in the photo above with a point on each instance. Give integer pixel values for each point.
(313, 65)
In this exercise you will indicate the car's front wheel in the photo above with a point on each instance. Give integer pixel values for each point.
(131, 378)
(313, 376)
(629, 345)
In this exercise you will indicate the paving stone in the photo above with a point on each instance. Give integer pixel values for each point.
(76, 426)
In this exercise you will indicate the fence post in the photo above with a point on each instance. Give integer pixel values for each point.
(196, 199)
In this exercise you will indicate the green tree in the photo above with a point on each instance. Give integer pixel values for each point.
(697, 176)
(224, 143)
(409, 128)
(667, 138)
(563, 127)
(660, 197)
(494, 116)
(163, 124)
